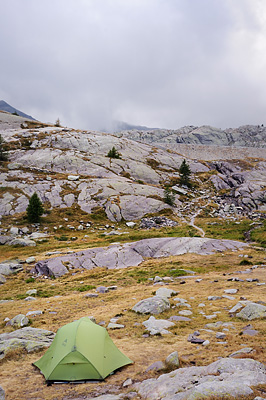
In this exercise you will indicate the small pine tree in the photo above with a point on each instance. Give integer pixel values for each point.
(113, 153)
(57, 122)
(3, 153)
(185, 172)
(34, 209)
(169, 197)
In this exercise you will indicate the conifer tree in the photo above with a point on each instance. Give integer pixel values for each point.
(169, 197)
(185, 172)
(113, 153)
(34, 209)
(3, 153)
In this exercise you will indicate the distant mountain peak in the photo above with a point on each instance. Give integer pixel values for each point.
(4, 106)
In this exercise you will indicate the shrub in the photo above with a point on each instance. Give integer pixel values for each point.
(113, 153)
(34, 209)
(3, 153)
(169, 197)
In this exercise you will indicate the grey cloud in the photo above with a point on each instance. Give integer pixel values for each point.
(164, 63)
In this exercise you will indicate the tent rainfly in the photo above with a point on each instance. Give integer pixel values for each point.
(81, 350)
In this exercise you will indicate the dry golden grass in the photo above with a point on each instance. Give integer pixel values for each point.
(22, 381)
(27, 382)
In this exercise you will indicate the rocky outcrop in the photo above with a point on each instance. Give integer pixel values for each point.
(132, 254)
(29, 339)
(247, 135)
(225, 377)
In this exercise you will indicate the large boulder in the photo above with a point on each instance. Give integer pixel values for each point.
(226, 377)
(152, 305)
(157, 326)
(252, 311)
(29, 339)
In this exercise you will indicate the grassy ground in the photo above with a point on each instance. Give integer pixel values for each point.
(22, 381)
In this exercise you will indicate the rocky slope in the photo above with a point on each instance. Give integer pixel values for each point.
(68, 168)
(244, 136)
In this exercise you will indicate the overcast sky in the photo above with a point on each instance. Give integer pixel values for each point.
(159, 63)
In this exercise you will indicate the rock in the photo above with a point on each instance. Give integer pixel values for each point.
(2, 393)
(22, 242)
(157, 326)
(223, 378)
(207, 389)
(213, 298)
(252, 311)
(14, 231)
(172, 361)
(156, 222)
(2, 279)
(230, 291)
(152, 305)
(31, 292)
(245, 350)
(10, 267)
(33, 313)
(30, 298)
(102, 289)
(132, 254)
(179, 318)
(156, 366)
(73, 177)
(131, 224)
(30, 260)
(249, 330)
(220, 335)
(18, 321)
(91, 295)
(29, 339)
(127, 382)
(185, 313)
(165, 292)
(115, 326)
(192, 338)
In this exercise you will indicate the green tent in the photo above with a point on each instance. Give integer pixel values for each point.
(81, 350)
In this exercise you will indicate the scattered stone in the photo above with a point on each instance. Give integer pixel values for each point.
(130, 224)
(30, 260)
(2, 393)
(228, 297)
(172, 361)
(102, 289)
(185, 312)
(18, 321)
(220, 335)
(245, 350)
(31, 292)
(192, 338)
(252, 311)
(34, 313)
(230, 291)
(2, 279)
(156, 222)
(214, 298)
(112, 325)
(30, 298)
(179, 318)
(22, 242)
(165, 292)
(249, 330)
(156, 366)
(10, 267)
(73, 177)
(91, 295)
(157, 326)
(127, 382)
(152, 305)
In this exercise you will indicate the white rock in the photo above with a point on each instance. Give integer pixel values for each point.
(73, 177)
(230, 291)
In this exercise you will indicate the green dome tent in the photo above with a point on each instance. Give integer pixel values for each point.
(81, 350)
